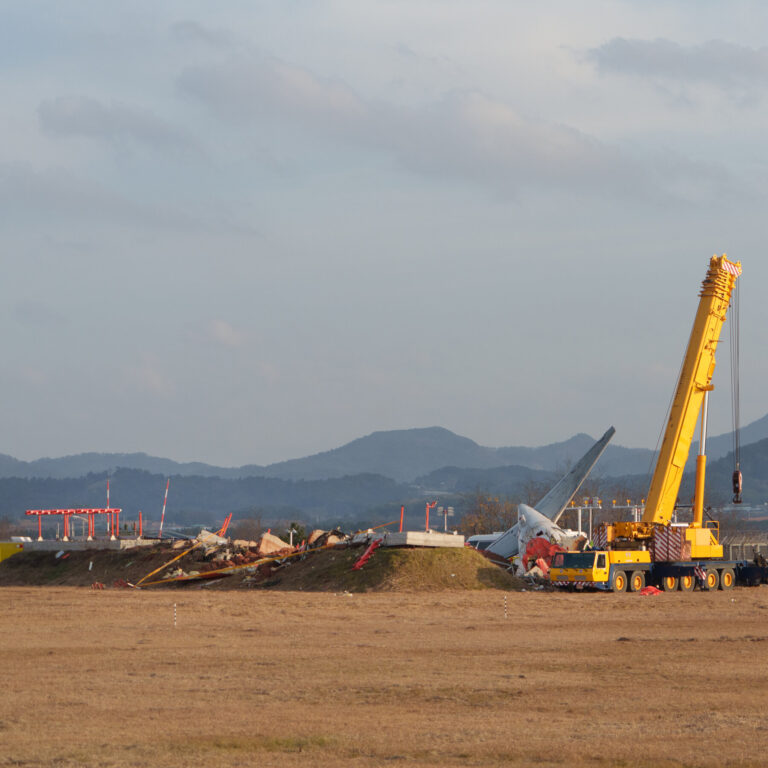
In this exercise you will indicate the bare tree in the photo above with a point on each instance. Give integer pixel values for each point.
(249, 528)
(534, 491)
(488, 514)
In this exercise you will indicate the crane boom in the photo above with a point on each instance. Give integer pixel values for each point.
(694, 382)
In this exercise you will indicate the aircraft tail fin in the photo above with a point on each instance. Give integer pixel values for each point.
(560, 495)
(553, 504)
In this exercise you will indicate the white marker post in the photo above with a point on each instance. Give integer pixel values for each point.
(162, 516)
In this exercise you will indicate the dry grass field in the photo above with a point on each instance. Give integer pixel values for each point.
(418, 679)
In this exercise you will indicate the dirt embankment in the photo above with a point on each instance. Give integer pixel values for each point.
(393, 569)
(81, 569)
(389, 569)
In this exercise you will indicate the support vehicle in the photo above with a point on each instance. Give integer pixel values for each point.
(628, 555)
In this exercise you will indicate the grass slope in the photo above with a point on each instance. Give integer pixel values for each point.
(393, 569)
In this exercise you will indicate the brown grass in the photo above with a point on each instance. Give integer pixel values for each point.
(432, 679)
(409, 570)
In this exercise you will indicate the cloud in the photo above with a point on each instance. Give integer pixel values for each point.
(260, 86)
(223, 333)
(725, 65)
(473, 136)
(193, 32)
(464, 134)
(79, 116)
(147, 377)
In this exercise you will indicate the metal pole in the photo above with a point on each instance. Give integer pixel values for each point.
(162, 516)
(701, 464)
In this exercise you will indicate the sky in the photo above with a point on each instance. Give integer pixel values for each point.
(244, 232)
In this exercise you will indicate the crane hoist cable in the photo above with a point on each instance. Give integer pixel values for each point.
(735, 395)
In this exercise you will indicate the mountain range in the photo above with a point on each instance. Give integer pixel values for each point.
(364, 480)
(402, 455)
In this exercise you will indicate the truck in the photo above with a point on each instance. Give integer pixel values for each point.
(654, 550)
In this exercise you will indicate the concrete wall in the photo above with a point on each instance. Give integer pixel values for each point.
(81, 546)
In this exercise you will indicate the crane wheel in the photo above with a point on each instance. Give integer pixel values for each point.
(727, 579)
(712, 579)
(636, 581)
(619, 581)
(669, 583)
(687, 582)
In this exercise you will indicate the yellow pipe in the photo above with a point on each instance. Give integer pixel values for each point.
(178, 557)
(165, 565)
(230, 568)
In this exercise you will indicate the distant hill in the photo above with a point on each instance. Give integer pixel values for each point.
(754, 467)
(407, 454)
(205, 499)
(402, 455)
(510, 481)
(399, 454)
(83, 464)
(365, 497)
(721, 445)
(410, 453)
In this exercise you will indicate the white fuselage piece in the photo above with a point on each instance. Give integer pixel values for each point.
(533, 524)
(549, 508)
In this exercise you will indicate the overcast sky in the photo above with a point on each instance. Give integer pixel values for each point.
(249, 231)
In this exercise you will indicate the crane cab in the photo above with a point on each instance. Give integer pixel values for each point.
(609, 570)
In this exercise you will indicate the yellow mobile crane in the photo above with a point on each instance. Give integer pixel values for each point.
(653, 550)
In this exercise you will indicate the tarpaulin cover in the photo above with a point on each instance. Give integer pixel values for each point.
(540, 548)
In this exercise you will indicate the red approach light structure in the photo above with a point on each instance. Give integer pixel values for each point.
(113, 520)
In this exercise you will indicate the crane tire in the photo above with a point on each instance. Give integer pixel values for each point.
(619, 581)
(687, 582)
(711, 579)
(727, 579)
(670, 583)
(636, 581)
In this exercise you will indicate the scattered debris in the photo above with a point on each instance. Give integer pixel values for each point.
(324, 562)
(269, 544)
(366, 556)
